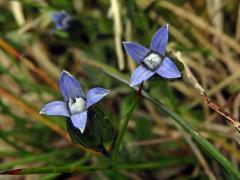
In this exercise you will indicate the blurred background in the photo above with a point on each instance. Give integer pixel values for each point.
(33, 53)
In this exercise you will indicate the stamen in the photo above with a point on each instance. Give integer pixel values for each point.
(76, 105)
(152, 61)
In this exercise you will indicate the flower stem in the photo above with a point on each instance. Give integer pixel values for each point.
(119, 166)
(139, 92)
(124, 127)
(202, 142)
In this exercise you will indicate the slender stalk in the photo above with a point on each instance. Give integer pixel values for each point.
(12, 143)
(139, 92)
(72, 165)
(196, 136)
(42, 158)
(124, 127)
(207, 146)
(118, 166)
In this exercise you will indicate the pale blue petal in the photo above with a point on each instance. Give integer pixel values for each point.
(70, 87)
(95, 94)
(160, 40)
(60, 26)
(55, 108)
(80, 120)
(56, 16)
(140, 74)
(61, 19)
(168, 69)
(66, 22)
(136, 51)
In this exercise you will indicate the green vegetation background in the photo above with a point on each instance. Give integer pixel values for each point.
(33, 53)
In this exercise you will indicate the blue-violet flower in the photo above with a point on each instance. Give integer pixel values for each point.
(75, 103)
(152, 60)
(61, 19)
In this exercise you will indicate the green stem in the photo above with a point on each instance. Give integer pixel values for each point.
(119, 166)
(198, 138)
(33, 158)
(72, 165)
(232, 171)
(12, 143)
(124, 127)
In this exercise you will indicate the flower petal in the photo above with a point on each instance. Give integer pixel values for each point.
(140, 74)
(136, 51)
(95, 94)
(80, 120)
(61, 19)
(168, 69)
(56, 16)
(160, 40)
(55, 108)
(70, 87)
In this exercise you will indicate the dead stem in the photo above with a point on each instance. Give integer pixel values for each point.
(193, 81)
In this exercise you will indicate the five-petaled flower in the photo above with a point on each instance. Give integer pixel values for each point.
(61, 19)
(75, 103)
(152, 60)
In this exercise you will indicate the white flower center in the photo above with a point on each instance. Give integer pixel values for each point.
(76, 105)
(152, 61)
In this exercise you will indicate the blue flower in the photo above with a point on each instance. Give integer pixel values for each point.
(152, 60)
(62, 19)
(75, 103)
